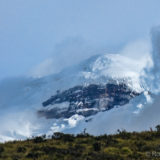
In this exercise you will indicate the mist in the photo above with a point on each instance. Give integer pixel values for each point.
(31, 31)
(69, 52)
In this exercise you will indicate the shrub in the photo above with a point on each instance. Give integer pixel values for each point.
(38, 139)
(158, 128)
(111, 150)
(127, 151)
(97, 146)
(1, 149)
(21, 149)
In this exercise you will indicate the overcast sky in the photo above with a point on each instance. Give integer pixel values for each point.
(30, 30)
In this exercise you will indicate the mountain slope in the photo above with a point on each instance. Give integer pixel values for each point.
(87, 100)
(101, 82)
(122, 145)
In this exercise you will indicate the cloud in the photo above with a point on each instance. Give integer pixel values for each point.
(18, 124)
(69, 52)
(43, 69)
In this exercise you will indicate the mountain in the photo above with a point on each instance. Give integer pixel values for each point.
(67, 100)
(87, 100)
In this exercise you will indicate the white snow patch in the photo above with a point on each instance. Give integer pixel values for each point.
(72, 121)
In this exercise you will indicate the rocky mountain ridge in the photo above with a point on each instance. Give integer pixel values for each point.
(86, 100)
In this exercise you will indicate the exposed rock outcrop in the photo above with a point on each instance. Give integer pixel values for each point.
(86, 100)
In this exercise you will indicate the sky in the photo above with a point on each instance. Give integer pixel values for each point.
(32, 31)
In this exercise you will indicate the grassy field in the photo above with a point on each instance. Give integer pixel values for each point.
(121, 146)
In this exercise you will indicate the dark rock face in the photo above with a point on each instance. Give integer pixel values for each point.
(86, 100)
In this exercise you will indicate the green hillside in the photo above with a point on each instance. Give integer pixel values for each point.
(121, 146)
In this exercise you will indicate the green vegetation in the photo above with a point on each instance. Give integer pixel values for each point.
(121, 146)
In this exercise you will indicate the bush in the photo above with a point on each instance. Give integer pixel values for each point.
(126, 150)
(124, 134)
(1, 149)
(158, 128)
(57, 135)
(97, 146)
(38, 139)
(21, 149)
